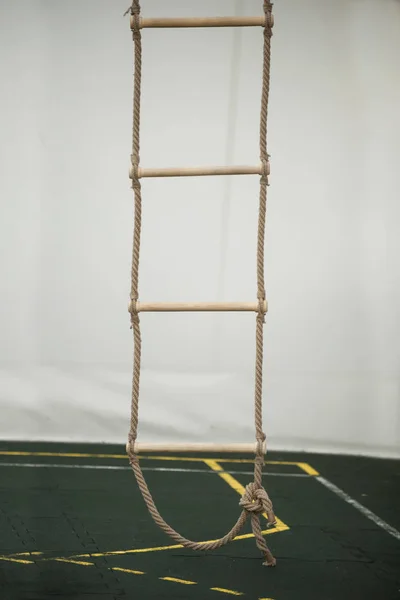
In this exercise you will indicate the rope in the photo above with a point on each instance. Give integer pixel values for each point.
(255, 500)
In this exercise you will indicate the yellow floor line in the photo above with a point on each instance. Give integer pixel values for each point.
(16, 560)
(214, 464)
(307, 469)
(74, 562)
(90, 455)
(225, 591)
(304, 466)
(62, 454)
(279, 527)
(129, 551)
(130, 571)
(226, 459)
(238, 487)
(176, 580)
(26, 554)
(229, 479)
(244, 536)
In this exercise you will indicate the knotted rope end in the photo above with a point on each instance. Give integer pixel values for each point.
(270, 561)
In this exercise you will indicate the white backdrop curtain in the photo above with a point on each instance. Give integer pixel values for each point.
(332, 345)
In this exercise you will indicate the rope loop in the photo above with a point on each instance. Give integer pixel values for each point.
(269, 18)
(135, 20)
(136, 27)
(265, 169)
(132, 309)
(135, 172)
(260, 446)
(261, 312)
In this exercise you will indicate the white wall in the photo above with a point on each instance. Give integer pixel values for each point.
(332, 345)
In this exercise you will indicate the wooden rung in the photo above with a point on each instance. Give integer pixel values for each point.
(199, 306)
(200, 22)
(195, 447)
(198, 171)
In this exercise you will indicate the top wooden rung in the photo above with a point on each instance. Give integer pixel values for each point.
(200, 22)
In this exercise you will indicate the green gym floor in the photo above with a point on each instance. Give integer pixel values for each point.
(73, 526)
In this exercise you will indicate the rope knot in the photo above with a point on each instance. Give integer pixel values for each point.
(134, 172)
(135, 20)
(132, 309)
(134, 9)
(261, 446)
(261, 310)
(130, 448)
(269, 18)
(265, 169)
(256, 500)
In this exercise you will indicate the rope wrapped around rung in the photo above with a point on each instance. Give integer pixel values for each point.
(255, 500)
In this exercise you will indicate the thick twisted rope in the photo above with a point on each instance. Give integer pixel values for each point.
(255, 500)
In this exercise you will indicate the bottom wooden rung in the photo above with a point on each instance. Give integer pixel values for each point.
(199, 306)
(195, 447)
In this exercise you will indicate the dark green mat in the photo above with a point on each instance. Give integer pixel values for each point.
(330, 550)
